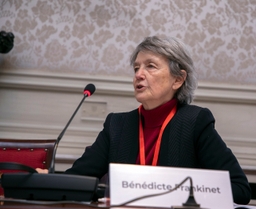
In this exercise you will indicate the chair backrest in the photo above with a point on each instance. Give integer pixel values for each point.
(35, 153)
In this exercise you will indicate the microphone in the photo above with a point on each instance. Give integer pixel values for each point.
(51, 186)
(88, 91)
(191, 202)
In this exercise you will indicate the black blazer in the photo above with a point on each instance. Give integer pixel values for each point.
(189, 140)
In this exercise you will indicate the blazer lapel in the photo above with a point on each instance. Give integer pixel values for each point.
(169, 154)
(129, 143)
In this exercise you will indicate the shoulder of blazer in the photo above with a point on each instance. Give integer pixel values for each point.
(117, 122)
(121, 116)
(188, 110)
(189, 107)
(123, 133)
(192, 117)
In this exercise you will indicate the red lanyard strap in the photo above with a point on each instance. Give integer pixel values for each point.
(159, 139)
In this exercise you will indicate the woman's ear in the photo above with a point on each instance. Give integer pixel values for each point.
(180, 80)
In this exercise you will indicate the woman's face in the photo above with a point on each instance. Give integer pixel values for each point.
(153, 83)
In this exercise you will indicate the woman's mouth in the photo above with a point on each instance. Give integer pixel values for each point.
(140, 87)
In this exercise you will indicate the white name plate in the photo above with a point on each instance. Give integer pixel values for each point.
(212, 189)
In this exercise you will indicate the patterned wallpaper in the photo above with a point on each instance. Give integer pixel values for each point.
(96, 37)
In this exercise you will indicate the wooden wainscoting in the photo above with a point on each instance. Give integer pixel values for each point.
(36, 104)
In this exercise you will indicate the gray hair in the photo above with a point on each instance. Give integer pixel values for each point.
(179, 59)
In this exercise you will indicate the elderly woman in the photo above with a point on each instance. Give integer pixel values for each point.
(165, 130)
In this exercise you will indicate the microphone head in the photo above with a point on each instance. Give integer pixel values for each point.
(89, 89)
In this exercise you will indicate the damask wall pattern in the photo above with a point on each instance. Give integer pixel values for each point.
(96, 37)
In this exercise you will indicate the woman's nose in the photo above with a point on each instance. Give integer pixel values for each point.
(139, 74)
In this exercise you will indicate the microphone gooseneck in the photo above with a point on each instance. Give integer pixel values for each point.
(190, 203)
(88, 91)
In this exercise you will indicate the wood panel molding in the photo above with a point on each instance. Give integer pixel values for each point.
(223, 99)
(48, 81)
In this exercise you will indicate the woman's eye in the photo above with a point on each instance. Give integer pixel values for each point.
(136, 69)
(151, 66)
